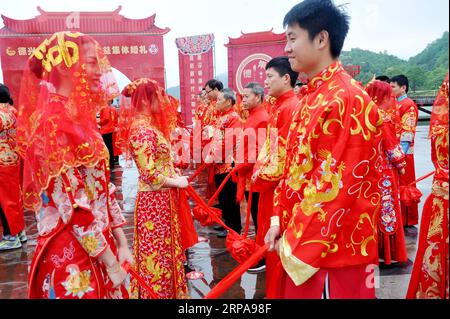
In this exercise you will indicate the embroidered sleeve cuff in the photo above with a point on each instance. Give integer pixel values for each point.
(396, 155)
(117, 219)
(296, 269)
(158, 182)
(274, 221)
(93, 243)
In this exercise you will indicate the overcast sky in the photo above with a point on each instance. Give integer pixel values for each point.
(402, 28)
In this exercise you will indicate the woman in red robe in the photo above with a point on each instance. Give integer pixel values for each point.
(429, 279)
(391, 237)
(81, 244)
(148, 121)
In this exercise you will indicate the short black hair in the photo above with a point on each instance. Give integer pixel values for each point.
(401, 80)
(321, 15)
(383, 78)
(5, 96)
(282, 66)
(214, 84)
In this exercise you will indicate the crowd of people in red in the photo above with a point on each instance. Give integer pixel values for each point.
(326, 168)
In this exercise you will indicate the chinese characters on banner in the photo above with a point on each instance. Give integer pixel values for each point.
(134, 56)
(252, 69)
(196, 62)
(134, 47)
(108, 50)
(248, 56)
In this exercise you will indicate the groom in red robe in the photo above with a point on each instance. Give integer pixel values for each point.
(280, 81)
(409, 115)
(326, 205)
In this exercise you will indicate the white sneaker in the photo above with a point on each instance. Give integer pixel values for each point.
(9, 242)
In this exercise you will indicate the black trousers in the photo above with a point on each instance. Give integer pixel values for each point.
(5, 225)
(108, 139)
(254, 208)
(231, 211)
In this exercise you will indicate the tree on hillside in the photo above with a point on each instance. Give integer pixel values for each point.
(425, 71)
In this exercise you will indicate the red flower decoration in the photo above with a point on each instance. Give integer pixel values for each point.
(181, 165)
(239, 247)
(410, 195)
(206, 218)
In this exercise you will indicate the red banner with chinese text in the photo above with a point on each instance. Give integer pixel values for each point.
(196, 62)
(134, 46)
(135, 56)
(248, 56)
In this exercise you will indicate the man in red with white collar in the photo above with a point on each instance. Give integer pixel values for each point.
(327, 202)
(409, 115)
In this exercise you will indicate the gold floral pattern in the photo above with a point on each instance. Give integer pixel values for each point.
(77, 283)
(89, 243)
(152, 155)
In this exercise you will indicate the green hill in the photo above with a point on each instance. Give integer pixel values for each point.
(425, 71)
(371, 63)
(434, 56)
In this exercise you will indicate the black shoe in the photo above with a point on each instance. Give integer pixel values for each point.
(187, 269)
(259, 267)
(219, 228)
(222, 234)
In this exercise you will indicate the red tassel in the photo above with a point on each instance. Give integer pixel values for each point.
(208, 217)
(189, 235)
(239, 247)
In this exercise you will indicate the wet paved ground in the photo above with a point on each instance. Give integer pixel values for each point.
(211, 257)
